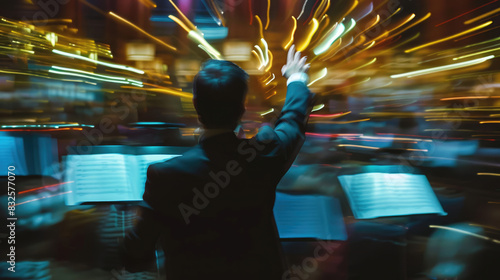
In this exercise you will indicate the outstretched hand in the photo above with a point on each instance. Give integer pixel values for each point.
(294, 63)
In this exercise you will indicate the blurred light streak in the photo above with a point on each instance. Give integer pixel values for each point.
(38, 130)
(475, 34)
(273, 77)
(143, 32)
(331, 135)
(366, 64)
(43, 197)
(323, 12)
(468, 97)
(329, 38)
(428, 15)
(261, 31)
(390, 16)
(303, 7)
(353, 5)
(91, 77)
(370, 25)
(318, 107)
(488, 174)
(321, 74)
(466, 232)
(443, 68)
(477, 53)
(183, 16)
(267, 14)
(97, 75)
(165, 91)
(148, 3)
(352, 23)
(261, 62)
(312, 12)
(305, 42)
(449, 37)
(294, 28)
(482, 16)
(331, 116)
(359, 146)
(468, 12)
(250, 11)
(45, 187)
(338, 122)
(270, 61)
(273, 94)
(486, 122)
(403, 22)
(267, 112)
(212, 56)
(111, 65)
(367, 10)
(179, 22)
(198, 38)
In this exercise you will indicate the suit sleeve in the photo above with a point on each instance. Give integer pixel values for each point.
(138, 248)
(289, 132)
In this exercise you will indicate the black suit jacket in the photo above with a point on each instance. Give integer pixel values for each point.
(212, 208)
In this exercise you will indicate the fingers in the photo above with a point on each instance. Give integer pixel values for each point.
(302, 61)
(283, 70)
(306, 67)
(291, 52)
(297, 57)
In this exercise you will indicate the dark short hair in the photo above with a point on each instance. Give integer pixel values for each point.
(219, 92)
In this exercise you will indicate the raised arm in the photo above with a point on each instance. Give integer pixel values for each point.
(289, 132)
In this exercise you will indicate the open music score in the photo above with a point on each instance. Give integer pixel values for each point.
(309, 216)
(373, 195)
(108, 177)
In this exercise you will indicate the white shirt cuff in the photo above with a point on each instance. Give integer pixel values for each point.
(297, 77)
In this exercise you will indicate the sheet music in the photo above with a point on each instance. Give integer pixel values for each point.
(309, 216)
(107, 177)
(12, 154)
(373, 195)
(99, 177)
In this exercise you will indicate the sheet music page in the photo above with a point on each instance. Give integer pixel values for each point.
(12, 153)
(143, 162)
(309, 216)
(99, 178)
(373, 195)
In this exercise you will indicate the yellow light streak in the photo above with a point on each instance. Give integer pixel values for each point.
(267, 14)
(488, 174)
(270, 62)
(354, 5)
(198, 38)
(477, 53)
(179, 22)
(483, 122)
(290, 41)
(165, 91)
(449, 37)
(183, 16)
(370, 25)
(443, 68)
(428, 15)
(321, 74)
(405, 21)
(313, 27)
(366, 64)
(261, 31)
(324, 10)
(482, 16)
(258, 57)
(143, 32)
